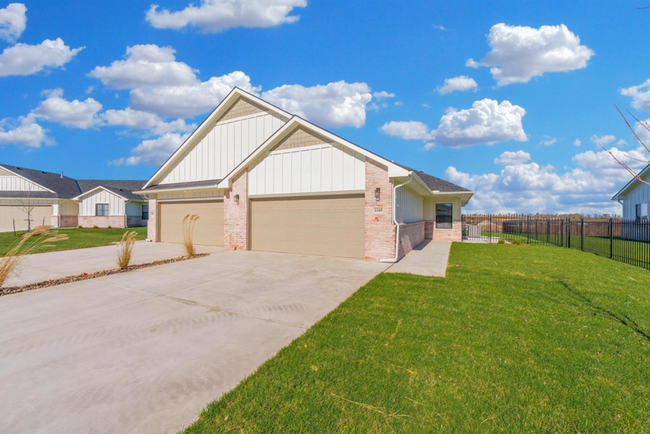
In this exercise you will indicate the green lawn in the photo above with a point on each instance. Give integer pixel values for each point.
(518, 339)
(77, 239)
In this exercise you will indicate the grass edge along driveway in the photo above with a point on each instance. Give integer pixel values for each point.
(77, 239)
(517, 339)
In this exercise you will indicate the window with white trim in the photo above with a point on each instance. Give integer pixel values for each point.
(444, 215)
(101, 209)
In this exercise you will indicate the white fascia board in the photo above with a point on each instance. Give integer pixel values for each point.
(393, 169)
(171, 190)
(208, 124)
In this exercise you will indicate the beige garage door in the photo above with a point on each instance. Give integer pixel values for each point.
(327, 226)
(208, 229)
(10, 213)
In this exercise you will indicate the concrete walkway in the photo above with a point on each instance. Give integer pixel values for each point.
(428, 259)
(146, 351)
(53, 265)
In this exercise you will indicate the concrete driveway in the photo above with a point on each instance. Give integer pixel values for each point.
(53, 265)
(145, 351)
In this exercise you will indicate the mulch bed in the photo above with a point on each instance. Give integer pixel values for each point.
(87, 276)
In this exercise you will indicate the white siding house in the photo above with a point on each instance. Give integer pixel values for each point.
(263, 179)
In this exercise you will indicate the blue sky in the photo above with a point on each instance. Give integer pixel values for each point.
(371, 71)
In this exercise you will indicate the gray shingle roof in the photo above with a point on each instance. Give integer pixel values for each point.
(437, 184)
(62, 186)
(65, 187)
(121, 188)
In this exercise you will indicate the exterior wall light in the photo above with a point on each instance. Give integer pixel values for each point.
(377, 193)
(236, 199)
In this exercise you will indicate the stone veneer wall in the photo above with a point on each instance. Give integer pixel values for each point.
(152, 224)
(411, 235)
(114, 221)
(428, 230)
(235, 215)
(379, 231)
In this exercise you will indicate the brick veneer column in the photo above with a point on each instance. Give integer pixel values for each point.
(235, 215)
(380, 231)
(152, 224)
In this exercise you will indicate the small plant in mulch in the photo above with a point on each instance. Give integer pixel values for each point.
(501, 241)
(95, 227)
(125, 249)
(29, 243)
(188, 233)
(87, 276)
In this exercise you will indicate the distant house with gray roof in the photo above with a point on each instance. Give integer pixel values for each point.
(61, 201)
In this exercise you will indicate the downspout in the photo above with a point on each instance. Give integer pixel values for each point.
(392, 260)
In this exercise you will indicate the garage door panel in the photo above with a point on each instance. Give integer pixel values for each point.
(9, 214)
(327, 226)
(208, 229)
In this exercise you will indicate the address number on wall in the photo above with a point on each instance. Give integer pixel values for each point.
(379, 210)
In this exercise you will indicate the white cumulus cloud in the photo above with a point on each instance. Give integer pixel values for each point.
(146, 65)
(75, 114)
(139, 120)
(24, 59)
(512, 158)
(409, 130)
(577, 142)
(12, 21)
(218, 15)
(519, 53)
(640, 95)
(603, 140)
(25, 132)
(383, 94)
(487, 121)
(153, 152)
(335, 104)
(460, 83)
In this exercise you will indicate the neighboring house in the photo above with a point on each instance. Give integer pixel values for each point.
(635, 197)
(263, 179)
(64, 202)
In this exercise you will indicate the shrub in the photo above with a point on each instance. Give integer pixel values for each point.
(516, 241)
(501, 241)
(79, 227)
(188, 233)
(109, 227)
(125, 249)
(28, 244)
(95, 227)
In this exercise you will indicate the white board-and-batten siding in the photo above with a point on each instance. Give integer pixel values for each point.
(311, 169)
(638, 194)
(16, 183)
(224, 147)
(410, 206)
(115, 203)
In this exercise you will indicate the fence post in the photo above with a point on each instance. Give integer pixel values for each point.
(490, 240)
(582, 234)
(568, 233)
(561, 233)
(548, 231)
(528, 230)
(611, 238)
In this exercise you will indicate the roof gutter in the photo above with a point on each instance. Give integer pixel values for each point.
(393, 260)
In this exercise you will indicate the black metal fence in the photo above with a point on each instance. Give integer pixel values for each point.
(621, 240)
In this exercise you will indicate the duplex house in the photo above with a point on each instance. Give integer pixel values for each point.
(60, 201)
(261, 178)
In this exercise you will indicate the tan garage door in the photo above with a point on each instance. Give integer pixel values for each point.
(208, 229)
(10, 213)
(327, 226)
